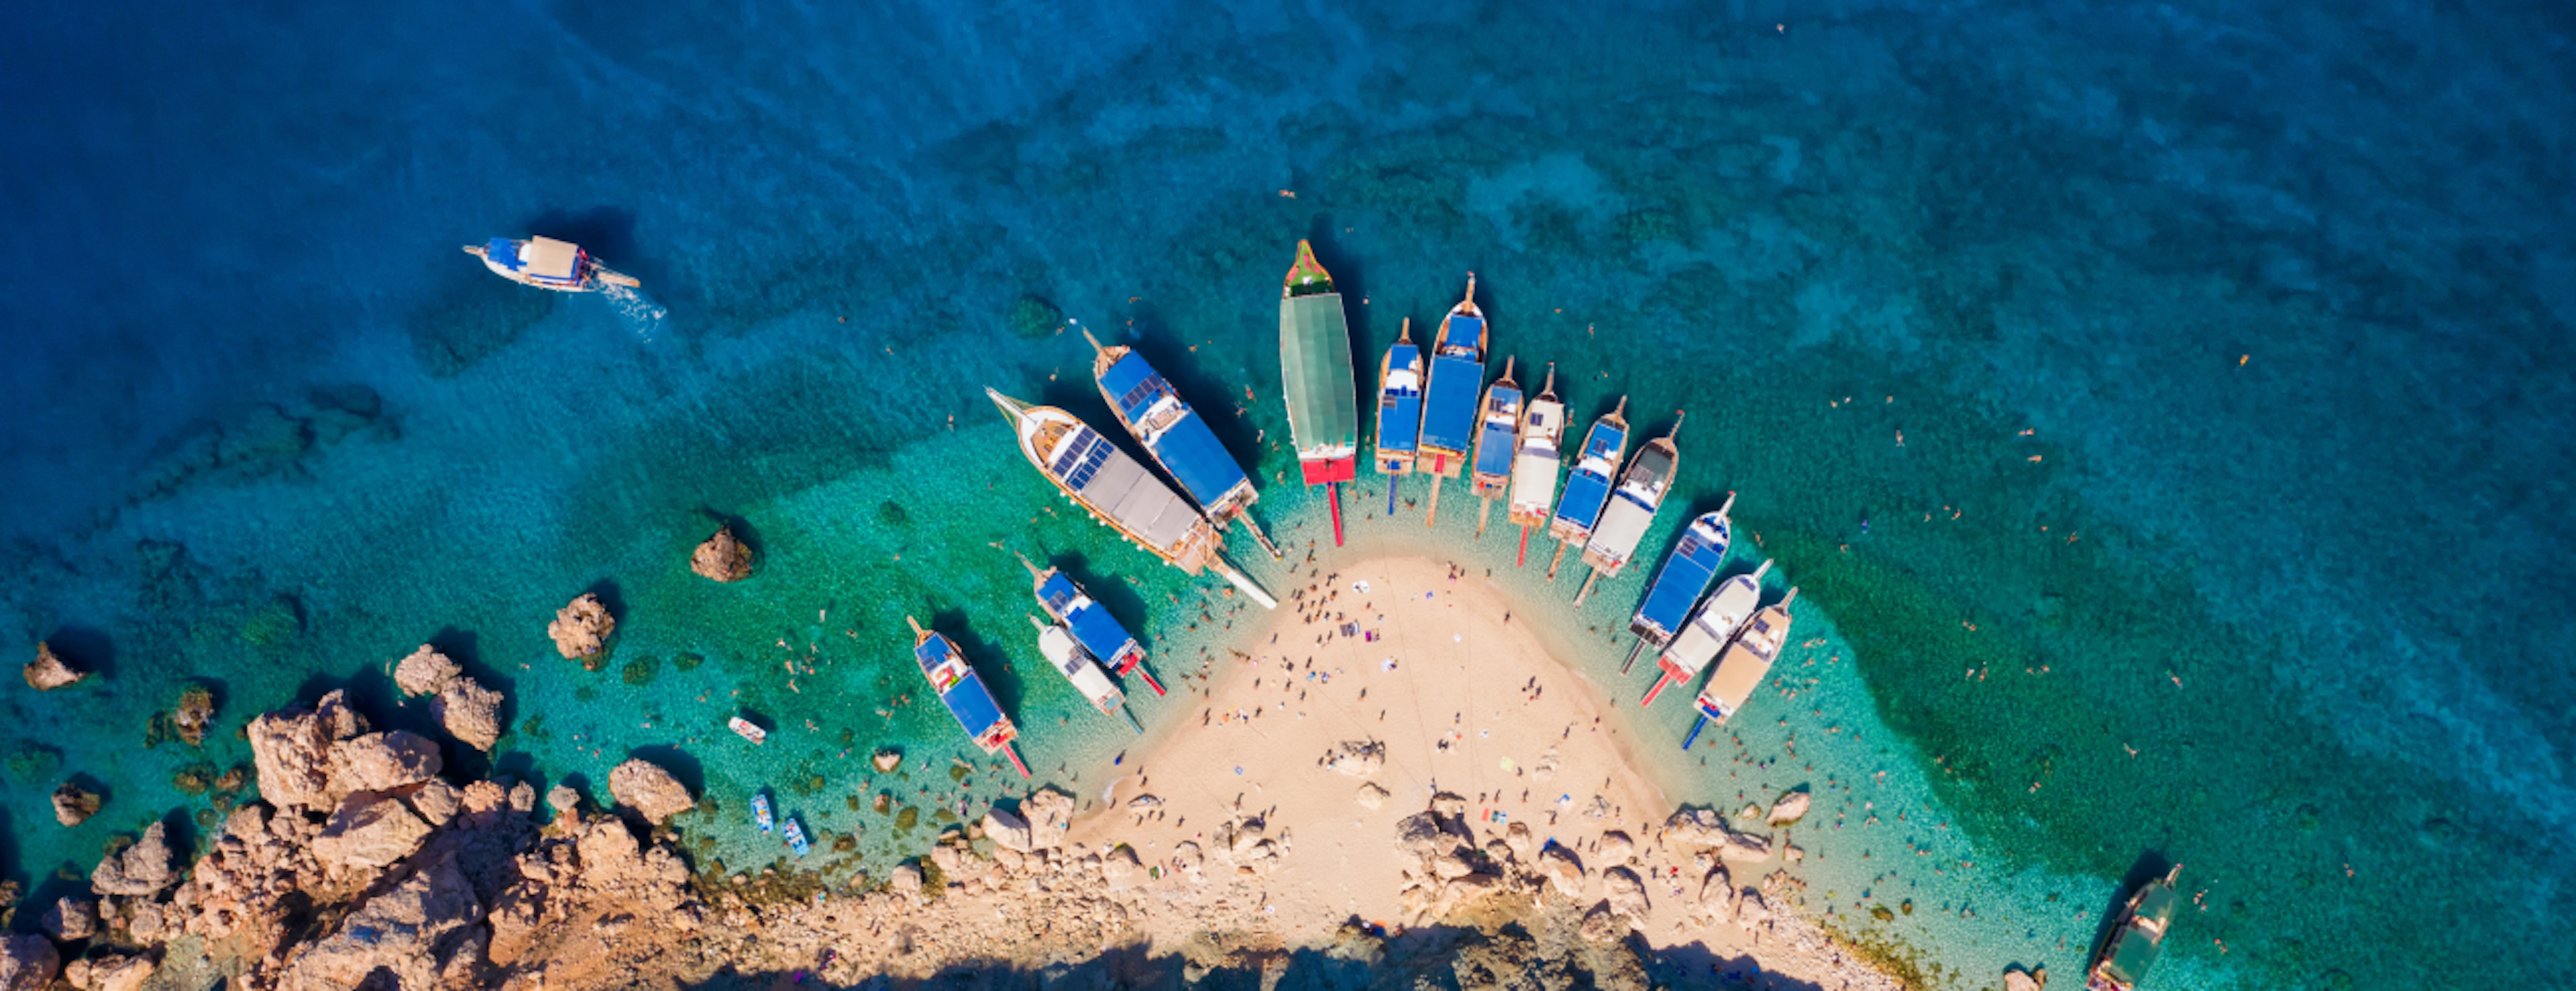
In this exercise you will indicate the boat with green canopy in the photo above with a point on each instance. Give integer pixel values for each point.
(2138, 939)
(1317, 380)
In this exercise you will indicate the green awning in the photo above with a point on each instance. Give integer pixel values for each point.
(1315, 368)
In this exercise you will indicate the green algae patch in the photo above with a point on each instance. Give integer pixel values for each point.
(274, 624)
(906, 819)
(1033, 317)
(640, 671)
(687, 661)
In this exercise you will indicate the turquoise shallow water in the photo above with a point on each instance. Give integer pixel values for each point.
(2224, 345)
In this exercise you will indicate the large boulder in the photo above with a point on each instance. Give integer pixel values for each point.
(74, 804)
(582, 627)
(398, 939)
(118, 972)
(1627, 893)
(1370, 796)
(1617, 848)
(369, 831)
(722, 558)
(48, 672)
(1120, 870)
(1007, 830)
(27, 962)
(1562, 871)
(648, 789)
(1745, 848)
(383, 761)
(471, 713)
(72, 918)
(292, 750)
(1357, 758)
(1050, 813)
(425, 672)
(1790, 808)
(1420, 834)
(140, 869)
(2017, 979)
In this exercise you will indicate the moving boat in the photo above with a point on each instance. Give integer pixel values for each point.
(1094, 629)
(1096, 475)
(1686, 574)
(760, 811)
(1175, 436)
(2138, 939)
(1709, 631)
(1317, 380)
(796, 838)
(1534, 466)
(748, 730)
(1747, 661)
(1449, 396)
(1587, 488)
(1632, 509)
(963, 692)
(546, 263)
(1070, 660)
(1399, 411)
(1498, 435)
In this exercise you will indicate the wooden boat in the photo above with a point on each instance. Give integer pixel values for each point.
(1685, 576)
(1317, 381)
(1710, 629)
(796, 838)
(1534, 465)
(1399, 411)
(1094, 629)
(1631, 510)
(963, 692)
(1119, 493)
(760, 811)
(1587, 486)
(2138, 939)
(546, 263)
(748, 730)
(1175, 436)
(1747, 661)
(1070, 660)
(1449, 394)
(1498, 434)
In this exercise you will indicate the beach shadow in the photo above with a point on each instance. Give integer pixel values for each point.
(669, 757)
(988, 659)
(87, 649)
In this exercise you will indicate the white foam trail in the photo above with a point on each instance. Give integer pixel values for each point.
(640, 313)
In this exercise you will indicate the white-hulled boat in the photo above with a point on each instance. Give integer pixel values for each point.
(1534, 467)
(1708, 631)
(1587, 487)
(1748, 660)
(1498, 440)
(1632, 509)
(1075, 664)
(546, 263)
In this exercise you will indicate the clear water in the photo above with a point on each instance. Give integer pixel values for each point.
(2226, 345)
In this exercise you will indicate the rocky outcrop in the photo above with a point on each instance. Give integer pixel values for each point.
(1563, 872)
(383, 762)
(293, 751)
(110, 972)
(72, 918)
(140, 869)
(2017, 979)
(471, 713)
(885, 761)
(369, 831)
(722, 558)
(582, 628)
(1049, 813)
(27, 963)
(425, 672)
(1705, 829)
(48, 672)
(1790, 808)
(1008, 830)
(648, 789)
(398, 939)
(1357, 758)
(74, 804)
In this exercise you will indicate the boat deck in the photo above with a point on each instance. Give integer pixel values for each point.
(1099, 633)
(1172, 430)
(1449, 405)
(1316, 374)
(1678, 585)
(1399, 407)
(1115, 485)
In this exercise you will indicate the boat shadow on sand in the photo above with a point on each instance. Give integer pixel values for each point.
(1427, 956)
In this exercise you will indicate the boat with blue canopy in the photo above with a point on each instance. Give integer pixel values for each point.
(1587, 487)
(1119, 493)
(1175, 436)
(1316, 379)
(1534, 467)
(1093, 628)
(1399, 411)
(1631, 510)
(963, 692)
(1710, 629)
(1498, 434)
(796, 838)
(1748, 660)
(547, 263)
(1685, 576)
(1449, 395)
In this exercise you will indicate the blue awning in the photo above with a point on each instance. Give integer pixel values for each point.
(1189, 450)
(504, 252)
(1133, 385)
(1584, 496)
(1462, 331)
(973, 705)
(1685, 576)
(1449, 405)
(1092, 626)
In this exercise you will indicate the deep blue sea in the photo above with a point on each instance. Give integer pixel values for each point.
(2165, 409)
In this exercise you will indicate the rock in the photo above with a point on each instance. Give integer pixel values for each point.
(471, 713)
(1370, 795)
(1626, 892)
(484, 797)
(722, 558)
(398, 939)
(648, 789)
(1448, 805)
(369, 831)
(115, 972)
(149, 925)
(1750, 812)
(1562, 871)
(523, 797)
(383, 761)
(907, 880)
(582, 627)
(140, 869)
(1745, 848)
(1449, 865)
(1145, 802)
(27, 962)
(48, 672)
(2017, 979)
(435, 802)
(292, 750)
(425, 672)
(1007, 830)
(1120, 869)
(1049, 813)
(562, 798)
(1695, 827)
(1516, 837)
(887, 760)
(1357, 758)
(1790, 808)
(194, 715)
(74, 804)
(1420, 835)
(1792, 853)
(72, 918)
(1603, 925)
(1617, 848)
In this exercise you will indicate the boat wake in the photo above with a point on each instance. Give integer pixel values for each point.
(638, 311)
